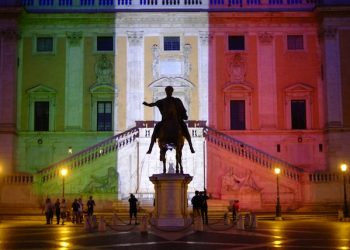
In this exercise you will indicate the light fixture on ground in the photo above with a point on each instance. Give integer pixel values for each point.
(63, 173)
(344, 168)
(278, 205)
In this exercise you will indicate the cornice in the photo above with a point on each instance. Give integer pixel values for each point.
(162, 20)
(66, 19)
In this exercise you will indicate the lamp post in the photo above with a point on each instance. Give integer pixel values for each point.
(63, 173)
(278, 205)
(343, 168)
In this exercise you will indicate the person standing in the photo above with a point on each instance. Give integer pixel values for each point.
(63, 209)
(90, 206)
(204, 207)
(80, 210)
(196, 200)
(58, 211)
(133, 208)
(48, 211)
(235, 210)
(75, 211)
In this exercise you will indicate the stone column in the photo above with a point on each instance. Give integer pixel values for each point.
(332, 77)
(74, 82)
(203, 75)
(135, 78)
(8, 70)
(267, 82)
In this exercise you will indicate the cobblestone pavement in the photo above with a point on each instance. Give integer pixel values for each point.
(293, 234)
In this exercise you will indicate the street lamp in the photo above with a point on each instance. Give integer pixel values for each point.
(63, 173)
(343, 168)
(278, 205)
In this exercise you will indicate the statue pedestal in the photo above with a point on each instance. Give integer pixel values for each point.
(170, 199)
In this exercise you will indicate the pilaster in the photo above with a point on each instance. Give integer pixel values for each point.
(74, 82)
(8, 70)
(203, 69)
(135, 77)
(267, 81)
(332, 77)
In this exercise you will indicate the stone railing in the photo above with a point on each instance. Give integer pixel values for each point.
(194, 127)
(17, 179)
(250, 153)
(167, 5)
(326, 177)
(90, 154)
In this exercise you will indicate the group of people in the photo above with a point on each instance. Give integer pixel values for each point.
(200, 206)
(59, 208)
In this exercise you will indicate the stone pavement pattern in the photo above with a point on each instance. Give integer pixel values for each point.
(293, 234)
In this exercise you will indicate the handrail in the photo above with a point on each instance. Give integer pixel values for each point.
(251, 153)
(91, 153)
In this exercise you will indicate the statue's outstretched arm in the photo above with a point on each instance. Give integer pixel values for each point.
(152, 104)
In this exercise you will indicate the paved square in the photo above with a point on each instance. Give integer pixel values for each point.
(289, 234)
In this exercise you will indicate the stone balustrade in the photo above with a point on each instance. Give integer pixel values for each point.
(325, 177)
(167, 5)
(17, 179)
(195, 128)
(90, 154)
(253, 154)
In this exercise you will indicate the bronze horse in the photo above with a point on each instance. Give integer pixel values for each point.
(171, 137)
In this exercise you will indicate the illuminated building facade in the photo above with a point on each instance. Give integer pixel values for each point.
(264, 83)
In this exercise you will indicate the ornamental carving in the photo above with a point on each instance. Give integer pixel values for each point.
(102, 184)
(236, 68)
(328, 32)
(155, 63)
(104, 70)
(74, 38)
(9, 34)
(135, 37)
(187, 65)
(232, 182)
(265, 38)
(205, 38)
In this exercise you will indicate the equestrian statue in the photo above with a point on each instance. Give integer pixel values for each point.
(172, 129)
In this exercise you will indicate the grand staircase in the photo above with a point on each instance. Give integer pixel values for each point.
(248, 167)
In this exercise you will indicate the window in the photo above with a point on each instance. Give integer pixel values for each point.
(236, 43)
(104, 43)
(41, 116)
(237, 114)
(44, 44)
(295, 42)
(298, 111)
(104, 116)
(172, 43)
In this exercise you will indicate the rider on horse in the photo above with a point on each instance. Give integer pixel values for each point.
(166, 112)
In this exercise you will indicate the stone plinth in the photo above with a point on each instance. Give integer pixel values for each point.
(170, 199)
